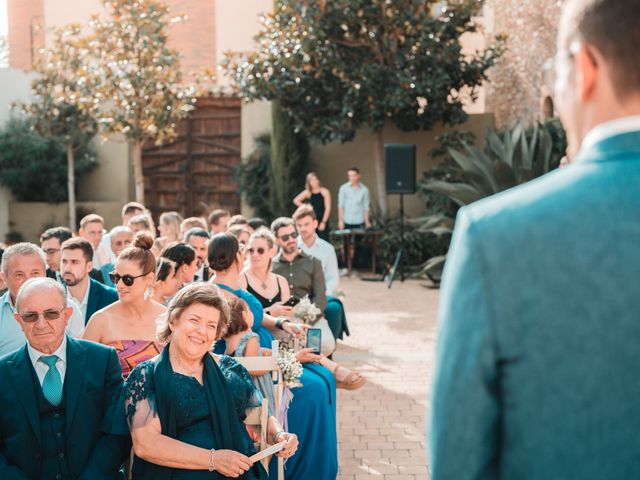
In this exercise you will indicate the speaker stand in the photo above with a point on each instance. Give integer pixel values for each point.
(398, 264)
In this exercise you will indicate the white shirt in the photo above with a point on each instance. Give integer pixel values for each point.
(610, 129)
(42, 368)
(324, 251)
(81, 303)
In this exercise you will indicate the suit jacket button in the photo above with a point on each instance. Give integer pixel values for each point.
(61, 455)
(58, 477)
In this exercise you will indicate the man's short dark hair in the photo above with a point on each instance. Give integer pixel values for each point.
(257, 222)
(279, 223)
(304, 210)
(79, 243)
(195, 232)
(61, 233)
(354, 169)
(216, 215)
(611, 26)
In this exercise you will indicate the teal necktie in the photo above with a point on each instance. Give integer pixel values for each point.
(52, 383)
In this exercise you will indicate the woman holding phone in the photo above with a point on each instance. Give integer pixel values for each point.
(272, 290)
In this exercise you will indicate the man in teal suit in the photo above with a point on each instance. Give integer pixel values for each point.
(58, 397)
(538, 362)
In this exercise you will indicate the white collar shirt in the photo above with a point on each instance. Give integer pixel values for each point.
(81, 303)
(324, 251)
(42, 368)
(610, 129)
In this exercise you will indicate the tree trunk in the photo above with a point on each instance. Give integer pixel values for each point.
(378, 160)
(278, 154)
(71, 187)
(138, 176)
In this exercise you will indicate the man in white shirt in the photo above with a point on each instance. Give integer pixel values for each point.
(92, 230)
(21, 262)
(309, 242)
(198, 238)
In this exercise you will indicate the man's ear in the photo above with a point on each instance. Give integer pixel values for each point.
(588, 70)
(89, 266)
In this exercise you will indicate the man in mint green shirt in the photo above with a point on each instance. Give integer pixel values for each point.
(538, 361)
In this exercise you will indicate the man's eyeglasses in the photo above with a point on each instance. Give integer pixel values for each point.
(51, 251)
(49, 315)
(126, 279)
(259, 251)
(286, 237)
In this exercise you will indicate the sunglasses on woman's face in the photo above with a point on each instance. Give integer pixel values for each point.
(49, 315)
(259, 251)
(126, 279)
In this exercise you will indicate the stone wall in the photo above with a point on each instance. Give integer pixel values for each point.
(514, 91)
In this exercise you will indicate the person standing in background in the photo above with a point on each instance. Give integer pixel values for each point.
(353, 203)
(319, 198)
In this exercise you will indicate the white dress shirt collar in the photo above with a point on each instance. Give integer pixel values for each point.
(610, 129)
(41, 368)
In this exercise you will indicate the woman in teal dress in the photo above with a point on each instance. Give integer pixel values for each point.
(312, 412)
(185, 408)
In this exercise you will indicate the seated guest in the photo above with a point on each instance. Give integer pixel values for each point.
(242, 233)
(312, 415)
(272, 290)
(165, 284)
(218, 221)
(144, 223)
(186, 408)
(169, 229)
(21, 262)
(75, 265)
(199, 240)
(186, 260)
(237, 220)
(192, 222)
(132, 209)
(50, 242)
(57, 396)
(303, 273)
(92, 230)
(129, 325)
(129, 210)
(256, 222)
(120, 237)
(311, 244)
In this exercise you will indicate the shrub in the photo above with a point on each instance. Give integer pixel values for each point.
(35, 168)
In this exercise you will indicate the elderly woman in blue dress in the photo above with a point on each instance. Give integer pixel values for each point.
(186, 407)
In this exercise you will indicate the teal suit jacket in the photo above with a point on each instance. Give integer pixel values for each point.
(538, 361)
(100, 296)
(92, 384)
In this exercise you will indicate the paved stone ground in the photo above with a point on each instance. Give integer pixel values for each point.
(381, 427)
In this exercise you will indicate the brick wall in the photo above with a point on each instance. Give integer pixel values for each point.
(26, 34)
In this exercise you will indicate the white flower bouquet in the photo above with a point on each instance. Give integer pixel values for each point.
(290, 367)
(306, 311)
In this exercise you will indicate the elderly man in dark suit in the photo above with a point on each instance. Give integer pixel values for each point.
(58, 396)
(75, 266)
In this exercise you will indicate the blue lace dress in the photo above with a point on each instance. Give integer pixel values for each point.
(193, 416)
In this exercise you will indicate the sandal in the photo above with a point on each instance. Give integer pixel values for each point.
(352, 381)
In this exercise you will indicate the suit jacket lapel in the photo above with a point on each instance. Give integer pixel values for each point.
(74, 376)
(21, 372)
(92, 301)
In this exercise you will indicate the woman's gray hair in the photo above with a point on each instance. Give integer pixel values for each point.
(23, 248)
(202, 293)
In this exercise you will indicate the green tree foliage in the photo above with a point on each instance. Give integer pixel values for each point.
(141, 78)
(33, 167)
(63, 105)
(289, 162)
(339, 66)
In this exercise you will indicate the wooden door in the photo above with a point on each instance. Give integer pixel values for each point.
(195, 173)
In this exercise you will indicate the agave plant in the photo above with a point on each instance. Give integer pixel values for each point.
(508, 159)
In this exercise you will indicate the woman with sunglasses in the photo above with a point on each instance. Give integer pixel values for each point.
(272, 290)
(129, 325)
(312, 413)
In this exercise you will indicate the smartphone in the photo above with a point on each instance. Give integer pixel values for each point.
(314, 339)
(292, 302)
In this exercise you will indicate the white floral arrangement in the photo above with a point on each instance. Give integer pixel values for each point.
(306, 311)
(290, 367)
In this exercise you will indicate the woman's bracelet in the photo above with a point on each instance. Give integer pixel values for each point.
(280, 323)
(211, 467)
(276, 435)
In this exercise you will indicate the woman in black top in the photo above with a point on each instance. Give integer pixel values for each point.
(320, 199)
